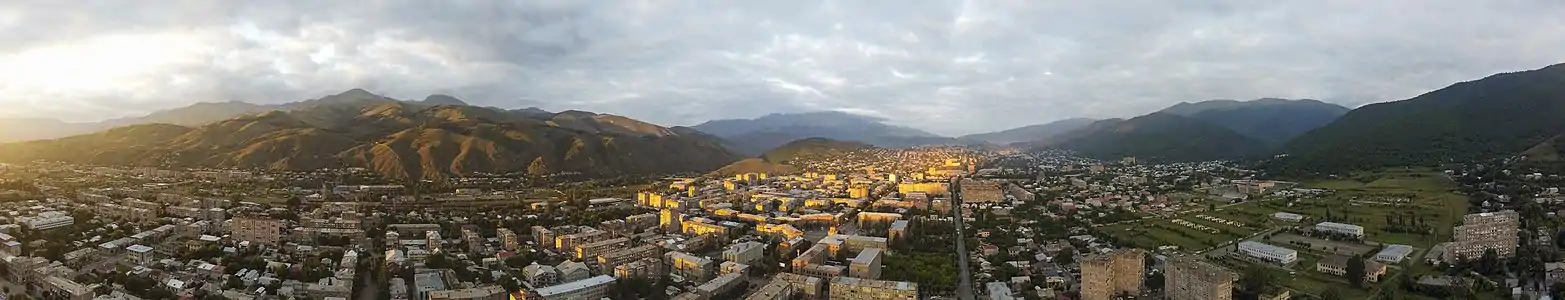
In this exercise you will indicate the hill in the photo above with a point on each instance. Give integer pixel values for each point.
(781, 159)
(1497, 116)
(1270, 120)
(398, 139)
(754, 136)
(1030, 132)
(1155, 137)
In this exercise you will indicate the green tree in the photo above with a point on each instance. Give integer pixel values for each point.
(1331, 294)
(1356, 271)
(1065, 257)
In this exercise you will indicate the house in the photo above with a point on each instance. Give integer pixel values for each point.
(1338, 265)
(1394, 253)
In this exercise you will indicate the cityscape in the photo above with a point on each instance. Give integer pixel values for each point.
(782, 150)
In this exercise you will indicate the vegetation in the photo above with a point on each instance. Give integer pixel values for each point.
(1157, 137)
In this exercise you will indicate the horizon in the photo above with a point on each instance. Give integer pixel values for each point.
(951, 68)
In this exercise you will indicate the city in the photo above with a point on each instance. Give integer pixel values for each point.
(782, 150)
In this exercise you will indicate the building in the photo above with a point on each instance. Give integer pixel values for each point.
(592, 250)
(1105, 275)
(980, 191)
(508, 239)
(1394, 253)
(694, 227)
(644, 268)
(260, 230)
(586, 289)
(1484, 231)
(744, 253)
(1190, 278)
(689, 266)
(572, 271)
(1269, 253)
(836, 244)
(999, 290)
(782, 230)
(849, 288)
(717, 286)
(1338, 265)
(866, 218)
(729, 267)
(488, 292)
(48, 220)
(898, 231)
(806, 286)
(866, 264)
(537, 275)
(773, 290)
(1288, 217)
(671, 220)
(608, 261)
(588, 235)
(141, 254)
(432, 240)
(931, 188)
(1340, 228)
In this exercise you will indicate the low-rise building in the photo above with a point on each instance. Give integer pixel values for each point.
(1394, 253)
(744, 253)
(849, 288)
(586, 289)
(866, 264)
(1269, 253)
(1340, 228)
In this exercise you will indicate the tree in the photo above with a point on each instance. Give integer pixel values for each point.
(1065, 257)
(1255, 280)
(1356, 271)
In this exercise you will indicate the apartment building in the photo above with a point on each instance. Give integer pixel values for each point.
(260, 230)
(689, 266)
(1484, 231)
(866, 264)
(508, 239)
(1191, 278)
(849, 288)
(806, 286)
(592, 250)
(744, 253)
(48, 220)
(586, 289)
(644, 268)
(608, 261)
(1105, 275)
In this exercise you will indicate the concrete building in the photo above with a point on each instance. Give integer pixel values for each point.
(141, 254)
(608, 261)
(1269, 253)
(671, 220)
(572, 271)
(508, 239)
(806, 286)
(1340, 228)
(689, 266)
(717, 286)
(488, 292)
(744, 253)
(866, 264)
(47, 220)
(773, 290)
(867, 218)
(1191, 278)
(586, 289)
(1484, 231)
(593, 249)
(566, 243)
(849, 288)
(898, 231)
(645, 268)
(1105, 275)
(537, 275)
(260, 230)
(1338, 265)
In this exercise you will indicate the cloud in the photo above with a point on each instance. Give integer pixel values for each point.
(950, 67)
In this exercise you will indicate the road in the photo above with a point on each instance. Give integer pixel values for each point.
(964, 289)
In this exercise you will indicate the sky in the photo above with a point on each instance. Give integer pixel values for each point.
(948, 67)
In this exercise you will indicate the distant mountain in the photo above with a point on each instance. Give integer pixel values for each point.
(1155, 137)
(408, 140)
(754, 136)
(201, 113)
(1030, 132)
(1497, 116)
(1270, 120)
(779, 160)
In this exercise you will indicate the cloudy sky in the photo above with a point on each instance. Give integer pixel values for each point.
(950, 67)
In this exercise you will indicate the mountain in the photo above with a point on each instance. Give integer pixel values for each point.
(1155, 137)
(754, 136)
(407, 140)
(1030, 132)
(780, 160)
(1497, 116)
(1270, 120)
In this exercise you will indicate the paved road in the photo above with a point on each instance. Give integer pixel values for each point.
(964, 289)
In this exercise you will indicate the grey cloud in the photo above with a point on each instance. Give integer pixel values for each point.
(950, 67)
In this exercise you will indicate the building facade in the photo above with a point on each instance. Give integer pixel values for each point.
(1190, 278)
(1105, 275)
(849, 288)
(1485, 231)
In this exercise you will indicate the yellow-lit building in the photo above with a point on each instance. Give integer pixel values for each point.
(932, 188)
(849, 288)
(784, 230)
(693, 227)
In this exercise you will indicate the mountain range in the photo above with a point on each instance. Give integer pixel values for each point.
(434, 139)
(1030, 132)
(1496, 116)
(1206, 130)
(755, 136)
